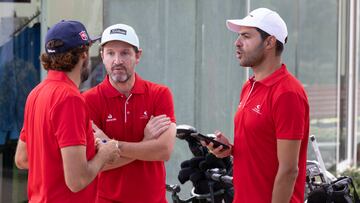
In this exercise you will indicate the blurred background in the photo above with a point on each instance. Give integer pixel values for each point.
(187, 47)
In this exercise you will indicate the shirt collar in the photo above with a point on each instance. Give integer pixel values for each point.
(274, 77)
(61, 76)
(110, 91)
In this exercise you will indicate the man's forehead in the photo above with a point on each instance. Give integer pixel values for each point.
(246, 29)
(117, 45)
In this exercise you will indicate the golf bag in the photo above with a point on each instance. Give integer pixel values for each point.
(337, 191)
(199, 171)
(323, 187)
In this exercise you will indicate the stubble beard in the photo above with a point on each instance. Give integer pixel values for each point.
(121, 78)
(256, 56)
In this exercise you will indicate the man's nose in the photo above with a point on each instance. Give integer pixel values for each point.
(118, 59)
(238, 42)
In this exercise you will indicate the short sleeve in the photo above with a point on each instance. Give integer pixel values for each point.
(289, 116)
(69, 121)
(23, 135)
(164, 104)
(91, 101)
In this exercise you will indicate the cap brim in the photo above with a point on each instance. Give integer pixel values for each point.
(121, 40)
(94, 39)
(235, 24)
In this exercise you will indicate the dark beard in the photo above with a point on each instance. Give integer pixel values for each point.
(254, 60)
(84, 74)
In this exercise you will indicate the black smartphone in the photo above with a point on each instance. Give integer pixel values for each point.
(209, 139)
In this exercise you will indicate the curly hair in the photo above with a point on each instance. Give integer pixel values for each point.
(62, 61)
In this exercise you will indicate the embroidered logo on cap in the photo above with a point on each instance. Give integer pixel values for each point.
(83, 35)
(118, 31)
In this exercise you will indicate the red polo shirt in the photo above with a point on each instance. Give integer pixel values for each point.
(124, 119)
(55, 117)
(273, 108)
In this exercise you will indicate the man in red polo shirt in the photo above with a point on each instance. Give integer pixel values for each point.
(56, 143)
(272, 120)
(137, 113)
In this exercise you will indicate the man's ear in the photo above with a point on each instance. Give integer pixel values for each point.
(102, 54)
(85, 54)
(270, 42)
(138, 56)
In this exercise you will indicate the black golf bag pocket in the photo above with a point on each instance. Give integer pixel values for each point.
(337, 191)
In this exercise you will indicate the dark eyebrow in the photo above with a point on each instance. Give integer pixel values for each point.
(244, 33)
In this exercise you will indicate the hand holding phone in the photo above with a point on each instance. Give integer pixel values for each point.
(208, 139)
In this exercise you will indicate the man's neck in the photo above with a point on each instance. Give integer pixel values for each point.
(124, 88)
(74, 75)
(266, 68)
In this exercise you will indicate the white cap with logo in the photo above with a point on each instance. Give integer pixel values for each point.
(264, 19)
(120, 32)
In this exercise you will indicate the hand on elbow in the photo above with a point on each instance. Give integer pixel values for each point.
(156, 127)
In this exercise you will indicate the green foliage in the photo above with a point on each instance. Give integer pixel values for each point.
(354, 173)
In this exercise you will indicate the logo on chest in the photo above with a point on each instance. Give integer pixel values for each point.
(110, 118)
(257, 109)
(144, 115)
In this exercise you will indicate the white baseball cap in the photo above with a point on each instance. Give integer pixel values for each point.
(120, 32)
(264, 19)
